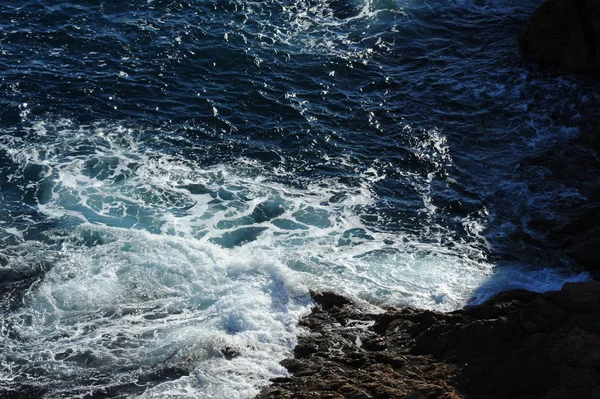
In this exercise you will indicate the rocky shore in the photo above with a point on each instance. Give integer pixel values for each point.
(519, 344)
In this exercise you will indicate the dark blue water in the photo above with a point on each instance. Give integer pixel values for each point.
(176, 175)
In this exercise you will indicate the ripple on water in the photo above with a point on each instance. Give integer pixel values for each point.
(175, 175)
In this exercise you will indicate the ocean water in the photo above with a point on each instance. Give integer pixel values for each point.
(177, 175)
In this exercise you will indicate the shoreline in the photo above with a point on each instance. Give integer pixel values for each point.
(519, 344)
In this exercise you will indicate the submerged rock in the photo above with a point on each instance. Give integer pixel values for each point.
(564, 34)
(519, 344)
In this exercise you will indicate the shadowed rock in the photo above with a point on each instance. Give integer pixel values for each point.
(519, 344)
(564, 34)
(229, 353)
(329, 299)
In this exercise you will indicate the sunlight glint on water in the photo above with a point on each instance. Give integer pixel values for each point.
(159, 261)
(136, 258)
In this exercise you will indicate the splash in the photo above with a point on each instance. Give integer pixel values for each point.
(156, 262)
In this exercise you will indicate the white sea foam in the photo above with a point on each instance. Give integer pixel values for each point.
(157, 260)
(321, 26)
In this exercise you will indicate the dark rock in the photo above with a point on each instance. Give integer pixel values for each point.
(229, 353)
(396, 361)
(564, 34)
(384, 322)
(375, 344)
(292, 365)
(329, 299)
(307, 371)
(519, 344)
(305, 349)
(281, 380)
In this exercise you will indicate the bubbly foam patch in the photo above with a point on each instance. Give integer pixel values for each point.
(104, 177)
(320, 27)
(188, 281)
(129, 301)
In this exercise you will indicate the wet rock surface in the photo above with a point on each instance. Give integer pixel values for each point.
(519, 344)
(564, 34)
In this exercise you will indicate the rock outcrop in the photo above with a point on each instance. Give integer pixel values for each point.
(564, 34)
(519, 344)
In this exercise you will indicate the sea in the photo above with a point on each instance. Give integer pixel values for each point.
(177, 175)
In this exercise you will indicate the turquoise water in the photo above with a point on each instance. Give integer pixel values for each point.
(175, 177)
